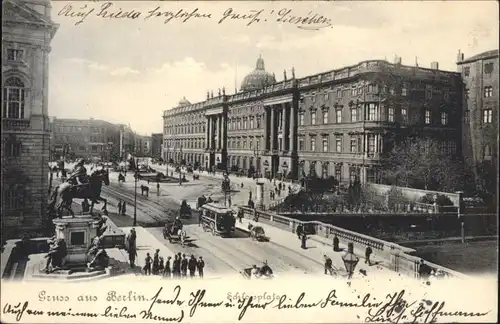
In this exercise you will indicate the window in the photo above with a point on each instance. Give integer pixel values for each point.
(301, 144)
(371, 143)
(12, 149)
(324, 170)
(372, 111)
(325, 117)
(257, 144)
(313, 144)
(251, 122)
(244, 144)
(354, 114)
(354, 91)
(13, 98)
(313, 98)
(371, 88)
(327, 96)
(339, 93)
(466, 71)
(250, 144)
(487, 116)
(487, 152)
(467, 93)
(488, 68)
(390, 114)
(338, 144)
(466, 115)
(338, 172)
(444, 118)
(245, 123)
(404, 91)
(428, 92)
(280, 144)
(354, 145)
(313, 117)
(229, 125)
(427, 117)
(14, 55)
(325, 144)
(301, 118)
(338, 116)
(488, 91)
(13, 198)
(258, 122)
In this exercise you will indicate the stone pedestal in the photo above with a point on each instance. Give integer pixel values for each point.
(78, 233)
(259, 195)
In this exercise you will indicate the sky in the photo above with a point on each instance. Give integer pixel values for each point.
(129, 71)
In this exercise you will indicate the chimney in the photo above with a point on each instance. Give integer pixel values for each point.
(435, 65)
(460, 56)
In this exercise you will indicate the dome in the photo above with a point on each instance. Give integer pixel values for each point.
(184, 102)
(258, 78)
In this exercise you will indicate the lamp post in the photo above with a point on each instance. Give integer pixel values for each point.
(256, 158)
(350, 260)
(136, 176)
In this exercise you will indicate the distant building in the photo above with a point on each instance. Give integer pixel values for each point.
(337, 123)
(156, 145)
(27, 32)
(85, 138)
(142, 146)
(480, 75)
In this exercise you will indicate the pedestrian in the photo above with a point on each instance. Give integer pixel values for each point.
(299, 231)
(156, 262)
(184, 266)
(424, 271)
(124, 208)
(161, 266)
(147, 265)
(157, 188)
(200, 266)
(132, 254)
(328, 265)
(119, 207)
(336, 243)
(192, 266)
(368, 253)
(167, 270)
(303, 241)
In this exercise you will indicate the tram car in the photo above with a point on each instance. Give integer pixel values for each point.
(218, 219)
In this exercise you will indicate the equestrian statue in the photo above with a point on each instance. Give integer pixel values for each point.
(79, 186)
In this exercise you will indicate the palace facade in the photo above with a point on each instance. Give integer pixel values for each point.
(337, 123)
(27, 31)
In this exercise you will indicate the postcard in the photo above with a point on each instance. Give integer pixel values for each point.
(249, 161)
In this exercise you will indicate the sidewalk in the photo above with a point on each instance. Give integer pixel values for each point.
(316, 249)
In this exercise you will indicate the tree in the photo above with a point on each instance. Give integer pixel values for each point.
(420, 163)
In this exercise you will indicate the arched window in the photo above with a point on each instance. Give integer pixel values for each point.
(13, 98)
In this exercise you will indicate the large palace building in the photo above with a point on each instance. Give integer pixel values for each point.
(337, 123)
(27, 31)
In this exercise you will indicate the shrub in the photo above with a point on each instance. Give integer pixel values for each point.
(440, 200)
(395, 197)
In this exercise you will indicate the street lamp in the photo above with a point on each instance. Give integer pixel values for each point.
(136, 176)
(350, 260)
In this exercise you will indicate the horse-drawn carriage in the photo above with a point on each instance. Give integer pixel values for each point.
(185, 210)
(257, 233)
(218, 219)
(174, 233)
(263, 272)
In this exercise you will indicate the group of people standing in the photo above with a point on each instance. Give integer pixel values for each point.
(179, 267)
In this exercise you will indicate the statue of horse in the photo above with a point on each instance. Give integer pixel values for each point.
(63, 195)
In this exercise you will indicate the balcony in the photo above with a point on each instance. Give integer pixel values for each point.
(15, 123)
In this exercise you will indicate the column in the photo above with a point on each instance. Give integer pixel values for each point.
(207, 140)
(219, 117)
(223, 132)
(284, 127)
(266, 128)
(273, 129)
(217, 126)
(292, 127)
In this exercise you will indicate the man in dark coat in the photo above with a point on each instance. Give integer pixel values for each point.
(184, 265)
(200, 266)
(176, 268)
(192, 266)
(156, 262)
(167, 271)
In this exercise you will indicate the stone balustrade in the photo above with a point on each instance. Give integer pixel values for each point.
(397, 256)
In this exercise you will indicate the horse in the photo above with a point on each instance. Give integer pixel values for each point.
(144, 189)
(182, 235)
(63, 195)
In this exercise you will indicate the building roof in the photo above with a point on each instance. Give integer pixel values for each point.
(184, 102)
(481, 56)
(258, 78)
